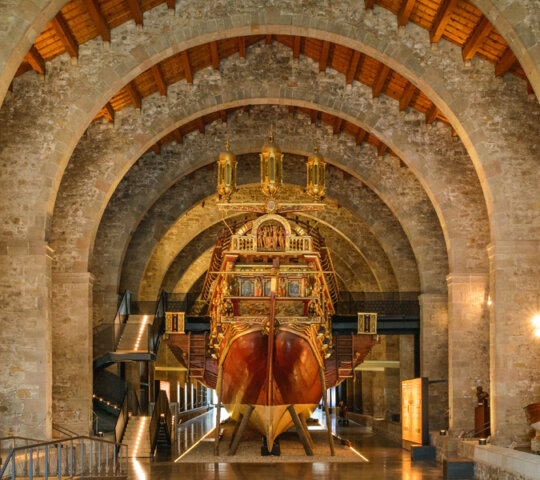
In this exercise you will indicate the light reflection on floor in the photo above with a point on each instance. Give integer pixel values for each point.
(387, 461)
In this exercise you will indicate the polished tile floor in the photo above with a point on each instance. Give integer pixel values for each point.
(387, 461)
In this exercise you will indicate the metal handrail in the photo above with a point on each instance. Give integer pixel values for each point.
(111, 459)
(158, 325)
(161, 414)
(64, 431)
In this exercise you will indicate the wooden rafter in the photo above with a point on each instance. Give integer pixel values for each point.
(296, 46)
(178, 136)
(338, 125)
(477, 38)
(431, 114)
(505, 63)
(136, 11)
(269, 39)
(314, 116)
(442, 18)
(353, 66)
(159, 79)
(381, 149)
(325, 53)
(223, 115)
(405, 11)
(171, 4)
(156, 148)
(64, 33)
(186, 66)
(99, 21)
(109, 112)
(292, 109)
(380, 80)
(214, 55)
(36, 60)
(369, 4)
(242, 47)
(134, 94)
(361, 136)
(200, 125)
(406, 97)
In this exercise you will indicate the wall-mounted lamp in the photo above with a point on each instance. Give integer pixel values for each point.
(536, 325)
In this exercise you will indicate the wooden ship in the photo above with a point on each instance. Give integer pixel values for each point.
(270, 292)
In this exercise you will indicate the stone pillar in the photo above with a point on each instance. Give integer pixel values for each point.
(468, 346)
(25, 339)
(72, 351)
(434, 355)
(514, 350)
(392, 385)
(406, 357)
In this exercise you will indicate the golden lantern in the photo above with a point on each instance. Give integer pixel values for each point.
(316, 175)
(226, 173)
(271, 167)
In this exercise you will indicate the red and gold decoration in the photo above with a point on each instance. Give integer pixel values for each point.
(226, 173)
(316, 175)
(270, 291)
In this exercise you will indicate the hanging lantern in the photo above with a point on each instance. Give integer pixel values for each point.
(271, 167)
(226, 173)
(316, 175)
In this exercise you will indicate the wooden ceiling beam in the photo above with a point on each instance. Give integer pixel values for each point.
(99, 21)
(214, 55)
(380, 80)
(361, 136)
(369, 4)
(223, 115)
(156, 148)
(353, 66)
(171, 4)
(338, 125)
(159, 79)
(186, 66)
(406, 97)
(477, 38)
(405, 11)
(441, 20)
(109, 112)
(269, 39)
(200, 125)
(381, 149)
(431, 114)
(325, 53)
(292, 109)
(134, 94)
(296, 46)
(505, 63)
(136, 11)
(35, 60)
(242, 47)
(178, 136)
(64, 33)
(314, 116)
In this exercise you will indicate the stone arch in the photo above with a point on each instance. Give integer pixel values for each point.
(397, 53)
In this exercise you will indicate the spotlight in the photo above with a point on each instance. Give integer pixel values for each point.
(536, 324)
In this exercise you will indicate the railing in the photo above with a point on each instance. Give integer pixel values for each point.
(64, 431)
(158, 326)
(404, 304)
(160, 416)
(107, 336)
(121, 420)
(75, 457)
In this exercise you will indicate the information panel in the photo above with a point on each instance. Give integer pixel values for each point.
(414, 411)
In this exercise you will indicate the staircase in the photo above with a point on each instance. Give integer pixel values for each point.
(344, 355)
(197, 355)
(137, 437)
(135, 334)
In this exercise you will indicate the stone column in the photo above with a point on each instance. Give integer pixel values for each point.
(406, 357)
(468, 346)
(514, 350)
(434, 355)
(25, 339)
(72, 351)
